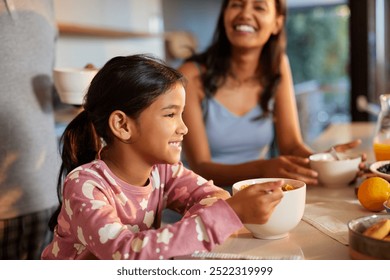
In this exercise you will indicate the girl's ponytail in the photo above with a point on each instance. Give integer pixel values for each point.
(79, 144)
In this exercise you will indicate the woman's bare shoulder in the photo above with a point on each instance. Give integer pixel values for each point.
(285, 62)
(192, 73)
(190, 69)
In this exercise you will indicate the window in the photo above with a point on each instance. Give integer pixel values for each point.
(318, 49)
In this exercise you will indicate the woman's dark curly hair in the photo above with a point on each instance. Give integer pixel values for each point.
(216, 58)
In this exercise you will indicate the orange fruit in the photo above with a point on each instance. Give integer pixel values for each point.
(373, 192)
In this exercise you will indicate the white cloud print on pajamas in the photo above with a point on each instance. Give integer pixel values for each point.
(200, 228)
(109, 231)
(87, 190)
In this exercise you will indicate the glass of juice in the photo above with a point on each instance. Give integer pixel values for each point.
(382, 150)
(382, 130)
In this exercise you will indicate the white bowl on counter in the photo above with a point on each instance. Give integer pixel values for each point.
(72, 83)
(333, 172)
(286, 215)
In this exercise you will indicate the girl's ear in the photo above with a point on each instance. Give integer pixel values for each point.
(278, 25)
(120, 125)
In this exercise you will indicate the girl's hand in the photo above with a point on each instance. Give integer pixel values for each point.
(255, 204)
(292, 167)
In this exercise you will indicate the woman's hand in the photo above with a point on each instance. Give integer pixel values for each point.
(292, 167)
(255, 204)
(341, 148)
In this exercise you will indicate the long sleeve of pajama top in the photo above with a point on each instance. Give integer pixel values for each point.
(104, 217)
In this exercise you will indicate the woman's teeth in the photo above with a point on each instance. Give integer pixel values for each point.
(244, 28)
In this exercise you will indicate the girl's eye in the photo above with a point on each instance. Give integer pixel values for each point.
(170, 115)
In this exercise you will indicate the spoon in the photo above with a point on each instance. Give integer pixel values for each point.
(335, 154)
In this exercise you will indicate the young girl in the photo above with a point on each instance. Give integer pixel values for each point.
(121, 157)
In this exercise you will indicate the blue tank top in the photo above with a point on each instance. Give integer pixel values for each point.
(236, 139)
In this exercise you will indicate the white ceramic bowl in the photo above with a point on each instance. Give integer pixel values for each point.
(72, 83)
(287, 214)
(332, 172)
(374, 169)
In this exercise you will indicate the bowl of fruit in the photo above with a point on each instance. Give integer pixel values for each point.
(386, 204)
(381, 169)
(369, 237)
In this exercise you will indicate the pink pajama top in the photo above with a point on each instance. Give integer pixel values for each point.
(104, 217)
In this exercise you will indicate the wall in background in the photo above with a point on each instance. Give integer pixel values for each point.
(121, 15)
(198, 17)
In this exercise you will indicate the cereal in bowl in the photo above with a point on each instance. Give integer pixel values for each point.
(285, 187)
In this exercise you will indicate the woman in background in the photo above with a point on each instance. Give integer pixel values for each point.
(240, 97)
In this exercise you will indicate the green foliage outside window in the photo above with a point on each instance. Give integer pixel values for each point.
(318, 47)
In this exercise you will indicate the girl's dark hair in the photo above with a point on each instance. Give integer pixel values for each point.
(126, 83)
(216, 58)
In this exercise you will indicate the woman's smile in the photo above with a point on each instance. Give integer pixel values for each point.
(244, 28)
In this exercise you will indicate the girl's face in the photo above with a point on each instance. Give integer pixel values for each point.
(160, 128)
(250, 23)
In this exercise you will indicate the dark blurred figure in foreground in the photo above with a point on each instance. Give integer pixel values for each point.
(29, 159)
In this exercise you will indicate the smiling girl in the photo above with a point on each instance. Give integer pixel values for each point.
(121, 162)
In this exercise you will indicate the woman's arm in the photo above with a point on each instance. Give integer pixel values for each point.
(288, 132)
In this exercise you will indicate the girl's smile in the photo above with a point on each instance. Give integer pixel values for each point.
(176, 145)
